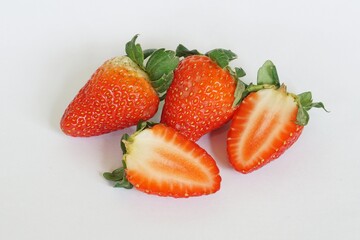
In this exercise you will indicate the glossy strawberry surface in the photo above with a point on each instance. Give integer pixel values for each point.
(117, 96)
(200, 98)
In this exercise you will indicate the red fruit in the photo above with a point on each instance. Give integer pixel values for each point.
(262, 129)
(120, 93)
(201, 96)
(267, 122)
(159, 160)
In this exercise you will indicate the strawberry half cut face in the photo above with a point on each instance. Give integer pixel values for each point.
(263, 127)
(159, 160)
(268, 121)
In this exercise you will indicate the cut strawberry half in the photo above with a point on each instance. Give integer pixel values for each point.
(159, 160)
(268, 121)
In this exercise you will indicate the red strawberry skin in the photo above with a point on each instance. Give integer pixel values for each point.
(200, 98)
(262, 129)
(117, 96)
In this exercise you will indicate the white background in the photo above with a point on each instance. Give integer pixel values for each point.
(51, 185)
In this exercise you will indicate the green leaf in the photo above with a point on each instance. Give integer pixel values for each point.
(239, 92)
(162, 97)
(161, 62)
(221, 56)
(143, 125)
(319, 105)
(134, 52)
(109, 176)
(239, 72)
(160, 68)
(115, 175)
(124, 137)
(119, 177)
(182, 51)
(267, 74)
(148, 52)
(163, 83)
(302, 117)
(306, 101)
(241, 87)
(124, 183)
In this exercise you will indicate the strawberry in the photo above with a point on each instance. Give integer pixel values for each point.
(159, 160)
(268, 121)
(202, 94)
(120, 93)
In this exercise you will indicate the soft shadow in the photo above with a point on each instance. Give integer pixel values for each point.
(111, 150)
(217, 140)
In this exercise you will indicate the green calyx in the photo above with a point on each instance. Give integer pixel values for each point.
(119, 175)
(160, 66)
(182, 51)
(222, 57)
(305, 103)
(267, 78)
(267, 75)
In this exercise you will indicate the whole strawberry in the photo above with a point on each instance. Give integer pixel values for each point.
(203, 93)
(120, 93)
(268, 121)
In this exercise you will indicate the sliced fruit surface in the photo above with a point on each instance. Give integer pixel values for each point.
(161, 161)
(268, 121)
(262, 129)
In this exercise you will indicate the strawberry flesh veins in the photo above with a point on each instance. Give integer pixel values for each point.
(161, 161)
(268, 121)
(262, 129)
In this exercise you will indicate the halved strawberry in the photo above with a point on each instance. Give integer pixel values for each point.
(121, 92)
(202, 94)
(159, 160)
(268, 121)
